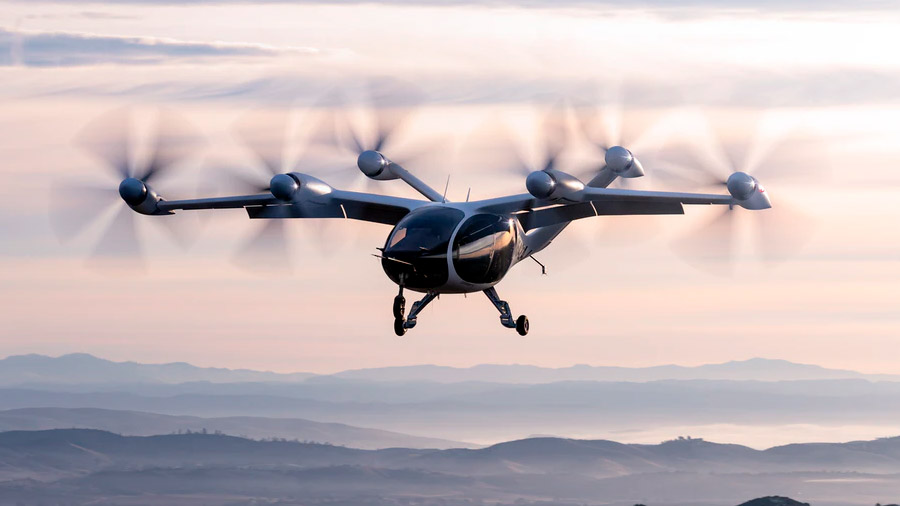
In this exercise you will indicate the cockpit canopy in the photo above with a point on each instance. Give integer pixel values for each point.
(484, 248)
(415, 255)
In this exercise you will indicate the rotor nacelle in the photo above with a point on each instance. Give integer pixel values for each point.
(375, 165)
(284, 186)
(552, 184)
(747, 191)
(623, 163)
(139, 196)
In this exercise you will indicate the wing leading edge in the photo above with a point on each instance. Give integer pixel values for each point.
(535, 213)
(312, 198)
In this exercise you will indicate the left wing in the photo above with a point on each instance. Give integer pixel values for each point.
(536, 213)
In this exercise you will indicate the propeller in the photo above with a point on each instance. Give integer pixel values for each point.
(383, 110)
(76, 204)
(266, 133)
(492, 146)
(778, 233)
(602, 121)
(616, 131)
(269, 135)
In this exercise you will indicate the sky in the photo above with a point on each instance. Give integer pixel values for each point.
(805, 91)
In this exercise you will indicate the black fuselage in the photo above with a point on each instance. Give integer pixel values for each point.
(442, 249)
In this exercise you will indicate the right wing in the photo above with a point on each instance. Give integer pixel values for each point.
(535, 213)
(313, 199)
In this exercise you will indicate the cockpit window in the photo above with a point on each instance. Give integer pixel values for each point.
(425, 230)
(483, 249)
(415, 255)
(398, 236)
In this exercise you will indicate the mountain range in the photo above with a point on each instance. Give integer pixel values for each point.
(83, 466)
(490, 412)
(447, 411)
(136, 423)
(82, 368)
(755, 369)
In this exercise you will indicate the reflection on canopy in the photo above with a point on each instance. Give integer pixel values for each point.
(483, 250)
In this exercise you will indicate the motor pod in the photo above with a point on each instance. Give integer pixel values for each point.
(139, 196)
(310, 189)
(553, 185)
(623, 163)
(375, 165)
(540, 184)
(747, 191)
(284, 186)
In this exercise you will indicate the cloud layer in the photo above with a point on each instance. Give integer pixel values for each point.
(756, 5)
(60, 49)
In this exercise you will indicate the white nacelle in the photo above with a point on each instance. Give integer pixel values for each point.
(747, 191)
(552, 185)
(375, 166)
(623, 163)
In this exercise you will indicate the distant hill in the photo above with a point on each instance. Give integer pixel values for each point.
(135, 423)
(81, 368)
(597, 458)
(756, 369)
(83, 466)
(485, 412)
(84, 368)
(774, 500)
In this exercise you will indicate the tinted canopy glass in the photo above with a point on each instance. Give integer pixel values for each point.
(484, 248)
(416, 251)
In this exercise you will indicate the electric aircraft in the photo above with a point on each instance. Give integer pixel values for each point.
(436, 246)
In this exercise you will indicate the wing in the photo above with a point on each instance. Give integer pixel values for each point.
(313, 199)
(535, 213)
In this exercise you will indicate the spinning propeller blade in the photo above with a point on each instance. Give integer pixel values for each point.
(383, 111)
(611, 124)
(267, 251)
(75, 205)
(265, 133)
(492, 146)
(333, 137)
(778, 232)
(620, 132)
(108, 138)
(712, 245)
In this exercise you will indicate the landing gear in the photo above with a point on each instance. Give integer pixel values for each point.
(401, 325)
(399, 329)
(506, 319)
(399, 309)
(399, 305)
(522, 325)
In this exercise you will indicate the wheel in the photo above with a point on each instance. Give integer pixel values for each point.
(522, 325)
(399, 306)
(399, 329)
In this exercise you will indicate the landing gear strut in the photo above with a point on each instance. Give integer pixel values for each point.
(506, 319)
(401, 325)
(399, 305)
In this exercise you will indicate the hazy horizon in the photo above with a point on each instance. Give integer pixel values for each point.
(415, 364)
(758, 403)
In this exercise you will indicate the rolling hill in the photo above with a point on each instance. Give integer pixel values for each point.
(86, 466)
(136, 423)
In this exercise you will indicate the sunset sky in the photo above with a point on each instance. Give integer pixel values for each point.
(825, 79)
